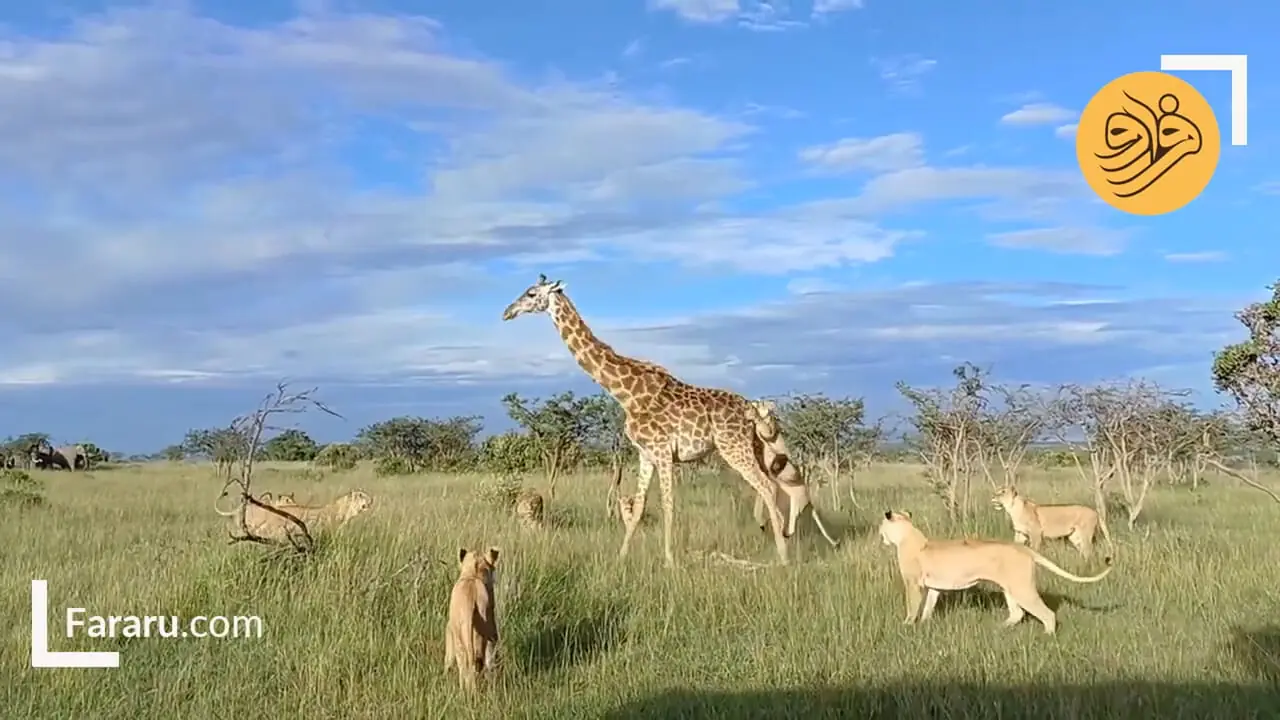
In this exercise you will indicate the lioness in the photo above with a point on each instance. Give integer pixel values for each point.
(530, 509)
(471, 635)
(791, 490)
(1033, 522)
(936, 565)
(277, 500)
(270, 526)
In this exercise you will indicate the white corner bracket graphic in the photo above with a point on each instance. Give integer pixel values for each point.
(41, 657)
(1238, 66)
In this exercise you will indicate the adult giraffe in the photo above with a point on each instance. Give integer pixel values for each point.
(668, 420)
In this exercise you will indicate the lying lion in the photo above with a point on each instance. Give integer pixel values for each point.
(791, 490)
(265, 524)
(936, 565)
(1033, 522)
(471, 635)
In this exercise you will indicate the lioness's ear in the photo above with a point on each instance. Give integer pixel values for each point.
(265, 497)
(492, 556)
(888, 514)
(462, 554)
(763, 407)
(906, 514)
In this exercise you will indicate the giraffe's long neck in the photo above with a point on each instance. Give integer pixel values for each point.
(604, 364)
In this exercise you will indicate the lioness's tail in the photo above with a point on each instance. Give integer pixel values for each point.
(224, 514)
(1045, 562)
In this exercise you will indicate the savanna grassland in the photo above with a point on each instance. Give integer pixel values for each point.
(1186, 626)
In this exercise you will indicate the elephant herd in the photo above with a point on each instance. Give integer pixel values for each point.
(45, 456)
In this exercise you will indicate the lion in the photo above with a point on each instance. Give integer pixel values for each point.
(1033, 522)
(530, 509)
(791, 490)
(268, 525)
(936, 565)
(471, 634)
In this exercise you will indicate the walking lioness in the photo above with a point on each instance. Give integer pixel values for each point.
(791, 491)
(1033, 522)
(932, 566)
(471, 636)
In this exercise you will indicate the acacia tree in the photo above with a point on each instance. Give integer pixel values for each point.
(1007, 427)
(948, 434)
(828, 434)
(406, 445)
(558, 425)
(1249, 372)
(1122, 430)
(221, 446)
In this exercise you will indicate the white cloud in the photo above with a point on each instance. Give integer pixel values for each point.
(1066, 132)
(886, 153)
(1269, 188)
(1039, 113)
(232, 156)
(828, 7)
(759, 15)
(708, 11)
(1196, 257)
(903, 73)
(1064, 240)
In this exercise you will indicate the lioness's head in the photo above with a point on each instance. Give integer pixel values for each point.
(354, 503)
(765, 419)
(1004, 497)
(894, 527)
(474, 564)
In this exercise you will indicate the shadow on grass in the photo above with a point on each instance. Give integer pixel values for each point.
(1258, 652)
(554, 624)
(993, 601)
(914, 701)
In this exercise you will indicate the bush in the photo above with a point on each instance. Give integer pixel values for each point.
(384, 466)
(18, 489)
(510, 453)
(338, 456)
(500, 490)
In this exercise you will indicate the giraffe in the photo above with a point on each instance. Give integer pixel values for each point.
(669, 421)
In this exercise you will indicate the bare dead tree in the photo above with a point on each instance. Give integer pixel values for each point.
(251, 429)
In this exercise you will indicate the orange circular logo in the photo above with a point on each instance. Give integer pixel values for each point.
(1148, 143)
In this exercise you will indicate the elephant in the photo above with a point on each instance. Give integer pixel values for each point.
(69, 457)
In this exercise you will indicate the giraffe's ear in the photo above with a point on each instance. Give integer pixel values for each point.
(557, 286)
(542, 279)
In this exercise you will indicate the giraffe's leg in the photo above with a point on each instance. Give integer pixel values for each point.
(754, 475)
(637, 508)
(666, 482)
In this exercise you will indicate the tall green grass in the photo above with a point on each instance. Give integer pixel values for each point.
(1187, 625)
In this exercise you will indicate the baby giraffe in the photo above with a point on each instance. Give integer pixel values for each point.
(471, 635)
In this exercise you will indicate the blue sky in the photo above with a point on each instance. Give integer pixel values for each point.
(198, 199)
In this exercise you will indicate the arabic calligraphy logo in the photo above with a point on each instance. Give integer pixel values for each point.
(1148, 143)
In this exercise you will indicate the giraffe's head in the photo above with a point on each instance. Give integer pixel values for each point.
(534, 300)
